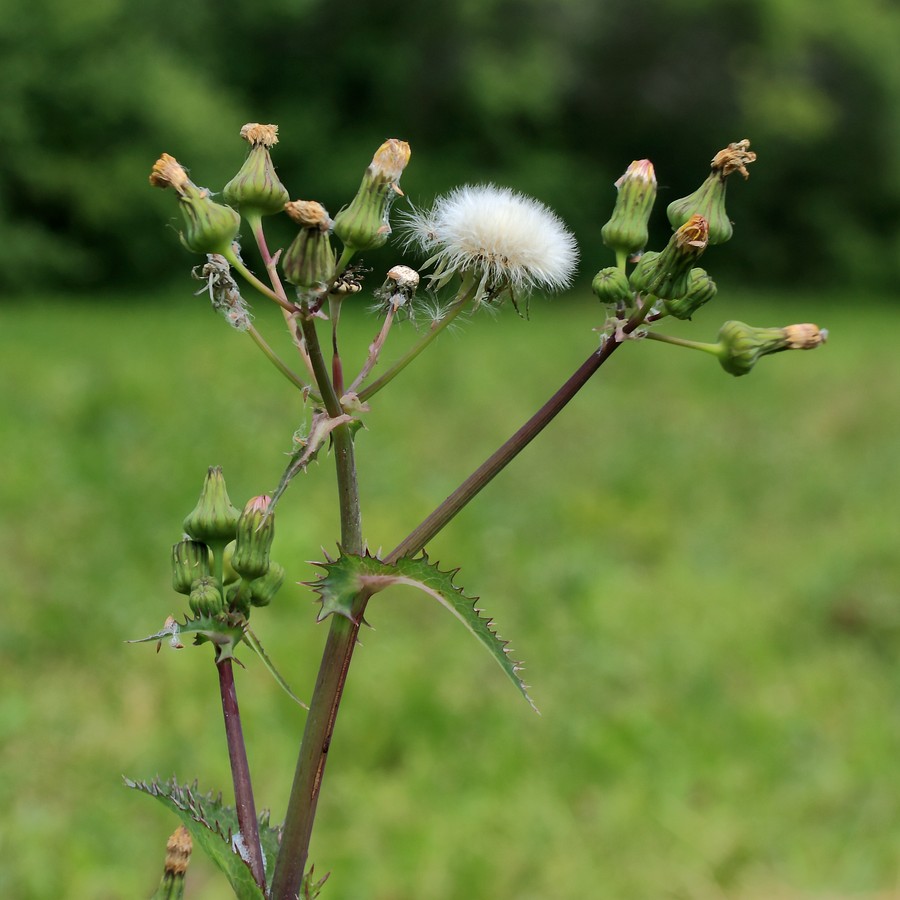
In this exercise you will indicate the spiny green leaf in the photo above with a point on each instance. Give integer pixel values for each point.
(214, 827)
(346, 576)
(223, 634)
(310, 889)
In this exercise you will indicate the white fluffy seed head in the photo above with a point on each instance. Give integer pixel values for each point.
(503, 238)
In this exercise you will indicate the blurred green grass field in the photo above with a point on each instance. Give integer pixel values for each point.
(700, 572)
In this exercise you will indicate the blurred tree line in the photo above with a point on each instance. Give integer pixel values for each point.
(554, 97)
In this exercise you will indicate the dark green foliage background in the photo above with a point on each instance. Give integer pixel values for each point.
(552, 97)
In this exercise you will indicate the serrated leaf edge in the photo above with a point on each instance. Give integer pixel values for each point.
(376, 575)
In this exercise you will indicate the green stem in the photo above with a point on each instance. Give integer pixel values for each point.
(300, 816)
(263, 288)
(682, 342)
(276, 361)
(504, 455)
(338, 653)
(466, 292)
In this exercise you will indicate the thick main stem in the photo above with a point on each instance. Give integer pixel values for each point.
(326, 698)
(240, 774)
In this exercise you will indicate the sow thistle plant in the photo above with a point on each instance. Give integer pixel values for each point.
(482, 245)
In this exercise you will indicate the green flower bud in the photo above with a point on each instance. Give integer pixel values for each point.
(255, 533)
(206, 598)
(262, 590)
(213, 520)
(626, 231)
(209, 227)
(229, 576)
(239, 598)
(309, 262)
(190, 561)
(641, 273)
(256, 190)
(612, 288)
(709, 199)
(365, 224)
(741, 345)
(670, 275)
(701, 289)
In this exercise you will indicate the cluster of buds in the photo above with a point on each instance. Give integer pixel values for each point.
(668, 283)
(256, 191)
(223, 563)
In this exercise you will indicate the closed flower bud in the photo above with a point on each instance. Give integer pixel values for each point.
(309, 262)
(209, 227)
(206, 597)
(255, 533)
(190, 561)
(238, 596)
(229, 576)
(626, 231)
(256, 189)
(213, 520)
(262, 590)
(612, 288)
(670, 275)
(741, 346)
(701, 289)
(364, 224)
(709, 199)
(641, 273)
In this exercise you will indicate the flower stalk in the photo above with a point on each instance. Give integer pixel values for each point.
(240, 773)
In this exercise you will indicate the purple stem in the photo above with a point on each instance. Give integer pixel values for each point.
(240, 773)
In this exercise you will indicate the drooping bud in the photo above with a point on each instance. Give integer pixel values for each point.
(255, 533)
(190, 561)
(256, 189)
(741, 346)
(213, 520)
(612, 288)
(668, 276)
(365, 223)
(709, 199)
(309, 262)
(262, 590)
(209, 227)
(178, 856)
(701, 289)
(626, 231)
(206, 597)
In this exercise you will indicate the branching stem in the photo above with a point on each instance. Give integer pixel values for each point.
(341, 641)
